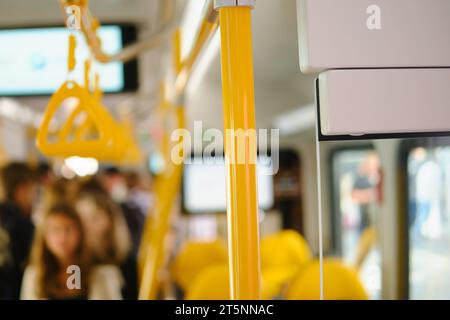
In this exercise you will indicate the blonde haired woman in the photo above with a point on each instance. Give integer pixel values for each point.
(108, 237)
(59, 256)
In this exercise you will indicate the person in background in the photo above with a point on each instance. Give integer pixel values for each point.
(45, 175)
(46, 181)
(60, 267)
(365, 192)
(19, 188)
(113, 180)
(428, 197)
(62, 191)
(59, 191)
(107, 233)
(417, 158)
(115, 183)
(138, 193)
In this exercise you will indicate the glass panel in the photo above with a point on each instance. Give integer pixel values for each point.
(429, 222)
(357, 182)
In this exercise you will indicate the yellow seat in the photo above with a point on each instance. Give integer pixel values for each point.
(200, 267)
(195, 257)
(283, 255)
(211, 284)
(340, 283)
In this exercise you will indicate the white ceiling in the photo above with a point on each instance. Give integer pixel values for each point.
(279, 85)
(47, 12)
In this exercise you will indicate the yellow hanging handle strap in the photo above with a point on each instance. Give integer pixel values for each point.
(114, 142)
(69, 124)
(102, 121)
(71, 63)
(98, 94)
(72, 46)
(87, 69)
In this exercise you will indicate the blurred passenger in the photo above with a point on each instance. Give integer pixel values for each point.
(417, 158)
(428, 188)
(16, 226)
(45, 179)
(64, 191)
(367, 195)
(365, 192)
(137, 194)
(107, 234)
(60, 267)
(45, 175)
(59, 191)
(115, 183)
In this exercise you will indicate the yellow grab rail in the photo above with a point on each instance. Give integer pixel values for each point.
(167, 185)
(239, 114)
(161, 114)
(154, 240)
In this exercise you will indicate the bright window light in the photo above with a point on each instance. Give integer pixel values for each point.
(82, 167)
(204, 63)
(67, 173)
(190, 25)
(15, 111)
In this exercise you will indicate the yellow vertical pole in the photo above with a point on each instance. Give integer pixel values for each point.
(152, 216)
(239, 116)
(87, 70)
(156, 245)
(153, 246)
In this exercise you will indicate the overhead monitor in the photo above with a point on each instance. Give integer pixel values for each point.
(204, 185)
(33, 61)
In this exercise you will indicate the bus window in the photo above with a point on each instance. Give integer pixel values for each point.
(429, 222)
(356, 186)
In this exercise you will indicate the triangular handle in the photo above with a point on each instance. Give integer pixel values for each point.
(87, 148)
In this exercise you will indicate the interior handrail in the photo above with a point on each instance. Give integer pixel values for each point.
(89, 25)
